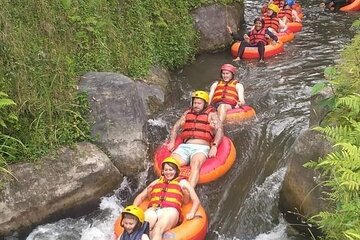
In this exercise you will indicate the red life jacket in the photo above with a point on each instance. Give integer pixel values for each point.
(287, 13)
(226, 92)
(167, 194)
(197, 125)
(258, 36)
(272, 22)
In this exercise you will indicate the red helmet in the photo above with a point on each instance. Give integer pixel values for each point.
(228, 67)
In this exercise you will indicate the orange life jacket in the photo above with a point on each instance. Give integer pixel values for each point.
(226, 92)
(257, 36)
(287, 13)
(272, 22)
(167, 194)
(197, 125)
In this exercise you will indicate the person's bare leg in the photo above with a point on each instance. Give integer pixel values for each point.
(222, 109)
(195, 165)
(179, 158)
(151, 217)
(168, 219)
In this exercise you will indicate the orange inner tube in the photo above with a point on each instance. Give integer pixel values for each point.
(194, 229)
(242, 114)
(252, 52)
(353, 6)
(294, 26)
(285, 36)
(212, 168)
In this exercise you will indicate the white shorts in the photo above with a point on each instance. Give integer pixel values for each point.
(187, 150)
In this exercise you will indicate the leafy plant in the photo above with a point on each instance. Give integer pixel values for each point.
(6, 116)
(342, 169)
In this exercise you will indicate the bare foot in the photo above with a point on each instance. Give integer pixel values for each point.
(236, 59)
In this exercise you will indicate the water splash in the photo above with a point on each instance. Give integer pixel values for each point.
(277, 233)
(157, 122)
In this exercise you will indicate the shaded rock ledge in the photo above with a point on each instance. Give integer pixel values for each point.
(302, 194)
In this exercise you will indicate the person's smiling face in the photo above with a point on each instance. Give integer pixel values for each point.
(258, 25)
(226, 75)
(169, 172)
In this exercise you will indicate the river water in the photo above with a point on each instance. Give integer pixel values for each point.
(242, 205)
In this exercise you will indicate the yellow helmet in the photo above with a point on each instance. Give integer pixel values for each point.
(201, 94)
(171, 160)
(275, 8)
(134, 210)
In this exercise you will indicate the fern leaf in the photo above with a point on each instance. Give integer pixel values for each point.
(2, 123)
(352, 102)
(4, 102)
(350, 185)
(2, 94)
(352, 234)
(337, 133)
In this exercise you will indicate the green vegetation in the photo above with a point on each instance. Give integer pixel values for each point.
(45, 46)
(6, 117)
(341, 168)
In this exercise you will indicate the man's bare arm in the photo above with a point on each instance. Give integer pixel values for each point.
(218, 128)
(179, 123)
(240, 92)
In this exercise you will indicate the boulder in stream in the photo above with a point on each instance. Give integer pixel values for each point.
(302, 195)
(211, 22)
(70, 181)
(120, 108)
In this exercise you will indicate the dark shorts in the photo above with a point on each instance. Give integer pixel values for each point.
(216, 105)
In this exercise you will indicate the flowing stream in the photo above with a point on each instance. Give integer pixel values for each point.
(243, 204)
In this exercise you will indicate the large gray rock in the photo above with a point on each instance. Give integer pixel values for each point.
(211, 22)
(158, 76)
(301, 192)
(72, 179)
(318, 109)
(119, 111)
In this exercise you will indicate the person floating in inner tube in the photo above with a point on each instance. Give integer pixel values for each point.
(201, 131)
(279, 3)
(227, 93)
(334, 5)
(166, 198)
(272, 21)
(135, 228)
(257, 37)
(287, 14)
